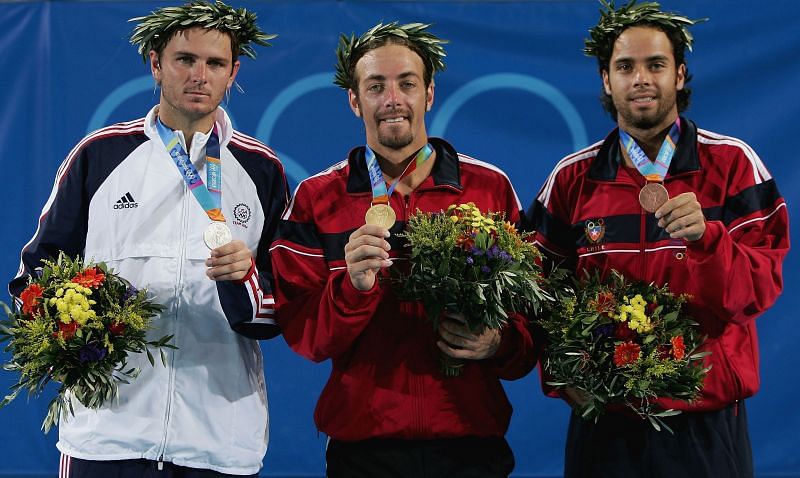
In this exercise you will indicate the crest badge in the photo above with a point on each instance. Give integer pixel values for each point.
(595, 230)
(242, 215)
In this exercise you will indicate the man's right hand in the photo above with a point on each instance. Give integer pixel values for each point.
(365, 254)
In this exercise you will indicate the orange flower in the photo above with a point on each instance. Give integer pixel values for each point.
(30, 299)
(466, 241)
(66, 331)
(678, 347)
(625, 353)
(93, 277)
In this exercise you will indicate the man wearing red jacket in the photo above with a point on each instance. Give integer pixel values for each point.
(387, 408)
(662, 200)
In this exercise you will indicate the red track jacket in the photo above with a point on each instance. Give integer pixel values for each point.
(588, 212)
(385, 379)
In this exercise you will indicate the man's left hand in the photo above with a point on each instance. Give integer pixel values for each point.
(459, 342)
(682, 217)
(229, 262)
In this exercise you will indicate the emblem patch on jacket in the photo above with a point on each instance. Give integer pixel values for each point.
(595, 230)
(242, 214)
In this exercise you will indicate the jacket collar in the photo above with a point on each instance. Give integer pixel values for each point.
(224, 124)
(609, 158)
(446, 170)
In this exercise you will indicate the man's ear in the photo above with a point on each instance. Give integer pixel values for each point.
(353, 100)
(606, 84)
(680, 79)
(429, 96)
(155, 66)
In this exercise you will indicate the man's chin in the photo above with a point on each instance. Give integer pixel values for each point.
(395, 142)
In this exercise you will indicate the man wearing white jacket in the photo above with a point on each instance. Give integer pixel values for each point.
(182, 204)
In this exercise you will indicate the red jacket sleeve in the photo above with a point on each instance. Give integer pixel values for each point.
(320, 312)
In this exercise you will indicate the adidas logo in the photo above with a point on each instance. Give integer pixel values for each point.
(126, 202)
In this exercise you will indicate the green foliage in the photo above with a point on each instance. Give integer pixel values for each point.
(589, 331)
(614, 20)
(351, 48)
(77, 325)
(466, 262)
(155, 29)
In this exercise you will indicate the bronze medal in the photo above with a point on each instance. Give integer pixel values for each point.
(653, 196)
(381, 215)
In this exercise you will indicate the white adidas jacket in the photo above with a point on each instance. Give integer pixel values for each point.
(119, 198)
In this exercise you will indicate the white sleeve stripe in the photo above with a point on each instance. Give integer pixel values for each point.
(253, 295)
(290, 207)
(764, 218)
(539, 244)
(470, 160)
(295, 251)
(254, 146)
(760, 172)
(590, 152)
(262, 321)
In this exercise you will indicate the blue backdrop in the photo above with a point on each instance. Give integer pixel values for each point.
(517, 92)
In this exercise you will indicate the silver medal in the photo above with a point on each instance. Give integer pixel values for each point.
(217, 234)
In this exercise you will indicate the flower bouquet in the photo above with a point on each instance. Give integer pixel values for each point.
(471, 263)
(621, 342)
(76, 325)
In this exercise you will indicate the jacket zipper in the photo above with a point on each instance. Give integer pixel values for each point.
(417, 384)
(178, 291)
(642, 244)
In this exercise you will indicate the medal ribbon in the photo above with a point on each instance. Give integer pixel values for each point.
(380, 195)
(209, 197)
(653, 171)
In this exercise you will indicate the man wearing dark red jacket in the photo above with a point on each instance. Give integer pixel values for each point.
(662, 200)
(387, 408)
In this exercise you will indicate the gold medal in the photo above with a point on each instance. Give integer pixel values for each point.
(653, 196)
(381, 215)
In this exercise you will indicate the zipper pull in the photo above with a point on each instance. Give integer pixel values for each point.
(161, 463)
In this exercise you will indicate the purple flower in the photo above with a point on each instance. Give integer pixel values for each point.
(493, 252)
(485, 269)
(130, 293)
(477, 251)
(606, 330)
(91, 353)
(470, 261)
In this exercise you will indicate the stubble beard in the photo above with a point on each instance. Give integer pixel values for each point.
(395, 140)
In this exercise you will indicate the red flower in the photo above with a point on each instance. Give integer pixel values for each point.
(30, 299)
(651, 307)
(623, 332)
(93, 277)
(66, 331)
(678, 347)
(116, 328)
(625, 353)
(605, 303)
(466, 241)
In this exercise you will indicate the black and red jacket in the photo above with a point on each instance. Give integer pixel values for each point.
(385, 380)
(588, 213)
